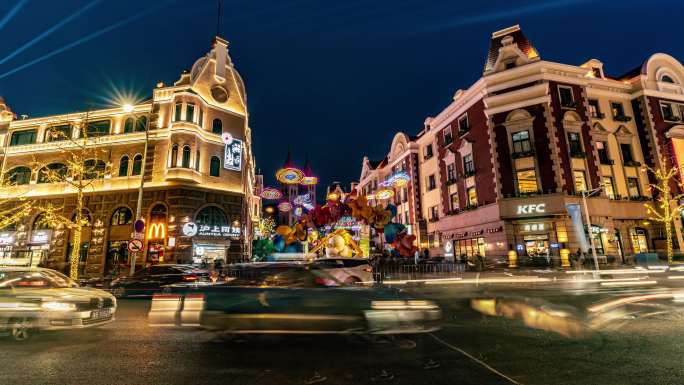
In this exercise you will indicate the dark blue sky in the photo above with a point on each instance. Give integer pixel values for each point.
(331, 79)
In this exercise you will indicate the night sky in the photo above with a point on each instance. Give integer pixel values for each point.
(331, 79)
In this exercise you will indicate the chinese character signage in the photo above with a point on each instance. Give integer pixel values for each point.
(191, 229)
(232, 158)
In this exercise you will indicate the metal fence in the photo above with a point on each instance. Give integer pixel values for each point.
(391, 272)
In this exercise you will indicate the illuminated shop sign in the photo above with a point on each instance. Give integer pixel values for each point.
(41, 236)
(232, 158)
(474, 233)
(448, 249)
(156, 231)
(6, 238)
(191, 229)
(534, 227)
(538, 208)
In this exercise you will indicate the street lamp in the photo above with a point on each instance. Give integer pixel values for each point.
(585, 194)
(129, 109)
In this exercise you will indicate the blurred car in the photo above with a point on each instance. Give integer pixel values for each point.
(146, 282)
(347, 270)
(36, 299)
(292, 299)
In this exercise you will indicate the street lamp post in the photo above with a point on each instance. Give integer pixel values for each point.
(585, 194)
(138, 210)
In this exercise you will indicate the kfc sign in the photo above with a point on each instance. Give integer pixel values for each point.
(539, 208)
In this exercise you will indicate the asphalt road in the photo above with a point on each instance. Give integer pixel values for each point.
(642, 346)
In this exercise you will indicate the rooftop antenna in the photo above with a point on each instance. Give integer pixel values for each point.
(218, 18)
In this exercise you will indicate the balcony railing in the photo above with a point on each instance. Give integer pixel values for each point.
(578, 154)
(607, 161)
(451, 181)
(468, 173)
(632, 163)
(448, 140)
(463, 131)
(570, 104)
(671, 118)
(622, 118)
(523, 154)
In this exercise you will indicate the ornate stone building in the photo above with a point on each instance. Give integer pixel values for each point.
(191, 145)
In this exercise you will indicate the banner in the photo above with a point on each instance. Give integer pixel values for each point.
(575, 212)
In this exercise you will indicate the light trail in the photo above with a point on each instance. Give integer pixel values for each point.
(85, 39)
(12, 12)
(49, 31)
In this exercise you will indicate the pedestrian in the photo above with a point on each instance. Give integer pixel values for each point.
(479, 262)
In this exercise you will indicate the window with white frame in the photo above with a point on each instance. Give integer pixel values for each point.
(463, 125)
(567, 100)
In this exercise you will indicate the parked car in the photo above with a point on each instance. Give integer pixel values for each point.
(146, 282)
(346, 270)
(36, 299)
(292, 299)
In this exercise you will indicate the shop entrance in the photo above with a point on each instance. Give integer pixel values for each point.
(117, 255)
(639, 240)
(537, 248)
(209, 252)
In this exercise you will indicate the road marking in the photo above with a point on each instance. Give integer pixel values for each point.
(452, 347)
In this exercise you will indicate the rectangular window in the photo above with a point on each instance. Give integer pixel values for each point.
(602, 148)
(190, 113)
(432, 183)
(404, 192)
(472, 196)
(454, 201)
(179, 109)
(448, 137)
(627, 157)
(463, 125)
(633, 187)
(597, 72)
(57, 133)
(668, 112)
(99, 128)
(428, 151)
(521, 144)
(468, 166)
(434, 215)
(580, 180)
(617, 109)
(527, 181)
(575, 144)
(23, 137)
(608, 187)
(451, 172)
(566, 98)
(595, 109)
(200, 121)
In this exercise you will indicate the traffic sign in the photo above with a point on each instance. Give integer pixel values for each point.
(139, 226)
(135, 235)
(135, 245)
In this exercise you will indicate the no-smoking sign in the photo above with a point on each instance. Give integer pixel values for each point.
(135, 245)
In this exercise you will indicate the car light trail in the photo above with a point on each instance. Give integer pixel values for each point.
(12, 12)
(629, 283)
(86, 38)
(50, 31)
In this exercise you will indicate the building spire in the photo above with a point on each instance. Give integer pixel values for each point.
(218, 18)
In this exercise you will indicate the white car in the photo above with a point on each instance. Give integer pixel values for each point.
(346, 270)
(35, 299)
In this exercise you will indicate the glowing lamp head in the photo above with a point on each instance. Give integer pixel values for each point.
(227, 138)
(127, 108)
(269, 209)
(333, 196)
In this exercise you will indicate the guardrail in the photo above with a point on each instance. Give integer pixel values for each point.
(385, 272)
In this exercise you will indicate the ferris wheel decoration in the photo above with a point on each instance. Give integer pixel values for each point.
(284, 206)
(289, 175)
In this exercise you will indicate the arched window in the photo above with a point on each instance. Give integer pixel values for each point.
(141, 124)
(128, 125)
(39, 223)
(217, 126)
(197, 160)
(666, 79)
(137, 165)
(122, 216)
(93, 169)
(185, 163)
(215, 166)
(53, 172)
(123, 166)
(19, 175)
(158, 213)
(211, 216)
(174, 156)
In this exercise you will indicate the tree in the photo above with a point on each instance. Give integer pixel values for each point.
(82, 167)
(668, 206)
(12, 208)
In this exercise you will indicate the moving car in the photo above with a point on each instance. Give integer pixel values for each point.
(347, 270)
(146, 282)
(292, 299)
(36, 299)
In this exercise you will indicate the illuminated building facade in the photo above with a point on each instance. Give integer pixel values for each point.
(199, 179)
(502, 168)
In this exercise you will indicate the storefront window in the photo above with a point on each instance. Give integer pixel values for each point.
(527, 181)
(598, 240)
(639, 240)
(470, 247)
(117, 254)
(580, 181)
(633, 187)
(454, 201)
(211, 216)
(122, 216)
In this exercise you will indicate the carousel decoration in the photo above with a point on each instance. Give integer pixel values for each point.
(384, 194)
(271, 193)
(399, 179)
(284, 206)
(289, 174)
